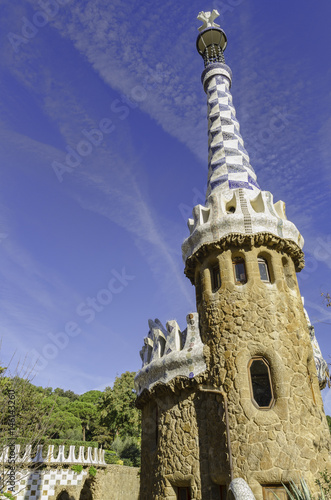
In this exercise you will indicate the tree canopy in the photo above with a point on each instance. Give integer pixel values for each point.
(62, 414)
(117, 407)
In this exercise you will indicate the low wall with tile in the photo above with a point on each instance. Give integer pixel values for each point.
(114, 482)
(47, 484)
(48, 477)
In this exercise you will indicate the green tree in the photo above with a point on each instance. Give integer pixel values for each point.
(64, 425)
(66, 394)
(24, 418)
(117, 407)
(128, 449)
(86, 409)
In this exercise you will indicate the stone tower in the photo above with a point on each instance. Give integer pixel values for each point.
(236, 394)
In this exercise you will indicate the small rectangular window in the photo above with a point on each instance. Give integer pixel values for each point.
(264, 271)
(239, 270)
(216, 278)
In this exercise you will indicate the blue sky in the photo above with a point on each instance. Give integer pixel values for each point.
(103, 149)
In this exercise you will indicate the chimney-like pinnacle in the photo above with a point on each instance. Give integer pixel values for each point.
(212, 40)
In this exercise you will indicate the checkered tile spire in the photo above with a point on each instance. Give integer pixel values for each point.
(235, 203)
(228, 161)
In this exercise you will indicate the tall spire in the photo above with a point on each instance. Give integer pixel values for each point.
(242, 373)
(228, 161)
(235, 203)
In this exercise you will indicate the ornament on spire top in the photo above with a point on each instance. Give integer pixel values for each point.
(208, 19)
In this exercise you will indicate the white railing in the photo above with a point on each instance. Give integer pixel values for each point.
(89, 456)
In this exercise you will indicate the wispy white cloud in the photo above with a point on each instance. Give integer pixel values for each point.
(134, 58)
(124, 50)
(125, 204)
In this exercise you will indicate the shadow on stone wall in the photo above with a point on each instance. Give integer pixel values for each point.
(86, 493)
(214, 469)
(64, 496)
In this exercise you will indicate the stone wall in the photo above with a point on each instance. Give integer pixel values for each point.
(117, 482)
(240, 322)
(114, 482)
(184, 429)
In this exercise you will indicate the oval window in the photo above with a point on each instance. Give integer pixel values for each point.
(260, 382)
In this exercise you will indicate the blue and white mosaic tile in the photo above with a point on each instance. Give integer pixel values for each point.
(228, 161)
(234, 201)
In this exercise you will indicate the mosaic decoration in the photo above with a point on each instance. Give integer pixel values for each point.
(228, 161)
(238, 215)
(241, 490)
(235, 203)
(322, 367)
(97, 457)
(34, 484)
(168, 353)
(41, 485)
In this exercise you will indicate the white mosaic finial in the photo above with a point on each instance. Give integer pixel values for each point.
(208, 19)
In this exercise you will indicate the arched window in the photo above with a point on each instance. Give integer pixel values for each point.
(215, 278)
(264, 270)
(239, 270)
(260, 383)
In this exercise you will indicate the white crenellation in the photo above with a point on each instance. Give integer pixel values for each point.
(39, 455)
(97, 457)
(238, 214)
(169, 352)
(71, 456)
(81, 455)
(50, 453)
(61, 456)
(101, 456)
(27, 454)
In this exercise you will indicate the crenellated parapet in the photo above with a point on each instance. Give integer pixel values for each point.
(169, 352)
(91, 456)
(223, 216)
